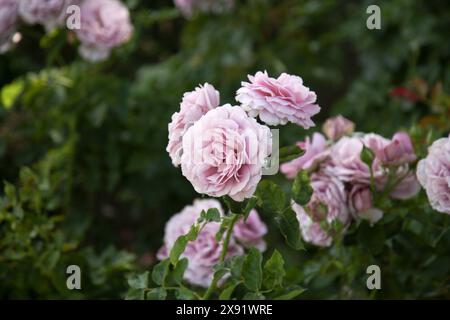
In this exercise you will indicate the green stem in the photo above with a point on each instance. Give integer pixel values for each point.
(223, 254)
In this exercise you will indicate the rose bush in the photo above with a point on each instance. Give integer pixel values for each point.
(88, 181)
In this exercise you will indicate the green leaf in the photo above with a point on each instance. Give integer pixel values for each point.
(228, 291)
(290, 294)
(274, 271)
(156, 294)
(252, 271)
(184, 293)
(193, 233)
(178, 249)
(301, 188)
(290, 228)
(135, 294)
(235, 264)
(10, 93)
(138, 281)
(270, 196)
(178, 272)
(253, 296)
(160, 272)
(234, 206)
(212, 215)
(250, 205)
(290, 152)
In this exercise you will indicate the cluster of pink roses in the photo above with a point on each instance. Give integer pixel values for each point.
(190, 7)
(104, 24)
(222, 149)
(343, 183)
(204, 252)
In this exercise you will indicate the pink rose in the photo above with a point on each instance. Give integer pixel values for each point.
(251, 232)
(190, 7)
(278, 101)
(328, 204)
(396, 152)
(105, 24)
(433, 173)
(361, 204)
(337, 127)
(50, 13)
(8, 22)
(224, 153)
(204, 252)
(407, 187)
(315, 151)
(194, 105)
(346, 163)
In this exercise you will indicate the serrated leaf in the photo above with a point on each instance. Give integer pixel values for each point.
(301, 188)
(291, 294)
(184, 293)
(156, 294)
(178, 248)
(252, 270)
(228, 291)
(178, 271)
(274, 271)
(212, 215)
(160, 272)
(270, 196)
(138, 281)
(290, 228)
(135, 294)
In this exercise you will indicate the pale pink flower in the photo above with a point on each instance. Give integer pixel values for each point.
(278, 101)
(346, 163)
(224, 153)
(433, 173)
(8, 23)
(316, 150)
(49, 13)
(194, 105)
(361, 204)
(105, 24)
(328, 204)
(250, 232)
(337, 127)
(202, 253)
(397, 152)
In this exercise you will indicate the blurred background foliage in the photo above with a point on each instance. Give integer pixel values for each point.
(82, 146)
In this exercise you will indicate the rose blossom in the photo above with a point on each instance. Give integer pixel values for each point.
(251, 231)
(337, 127)
(193, 106)
(189, 7)
(361, 204)
(346, 163)
(202, 253)
(50, 13)
(328, 204)
(396, 152)
(224, 153)
(433, 173)
(8, 22)
(278, 101)
(315, 151)
(105, 24)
